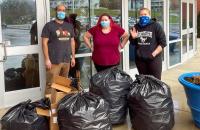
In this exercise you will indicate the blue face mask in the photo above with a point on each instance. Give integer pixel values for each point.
(144, 20)
(105, 23)
(61, 15)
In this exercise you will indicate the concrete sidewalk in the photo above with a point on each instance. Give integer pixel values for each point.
(183, 119)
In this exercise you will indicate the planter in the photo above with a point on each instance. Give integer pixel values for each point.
(193, 96)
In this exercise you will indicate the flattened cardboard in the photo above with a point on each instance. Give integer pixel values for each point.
(42, 112)
(62, 81)
(54, 109)
(54, 123)
(61, 88)
(62, 84)
(56, 96)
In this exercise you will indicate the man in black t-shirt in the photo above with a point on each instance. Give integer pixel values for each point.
(58, 45)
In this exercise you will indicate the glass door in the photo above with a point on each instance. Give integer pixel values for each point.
(174, 33)
(20, 53)
(133, 15)
(158, 14)
(187, 29)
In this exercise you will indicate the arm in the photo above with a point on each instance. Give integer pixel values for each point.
(73, 52)
(161, 39)
(86, 38)
(133, 33)
(124, 41)
(45, 52)
(133, 36)
(157, 51)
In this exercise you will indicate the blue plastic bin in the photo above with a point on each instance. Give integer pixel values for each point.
(193, 96)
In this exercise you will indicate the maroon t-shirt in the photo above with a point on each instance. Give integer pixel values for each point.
(106, 50)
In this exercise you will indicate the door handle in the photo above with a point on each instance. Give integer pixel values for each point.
(5, 51)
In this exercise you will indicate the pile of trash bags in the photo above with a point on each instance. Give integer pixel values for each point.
(83, 111)
(113, 85)
(111, 93)
(150, 104)
(23, 116)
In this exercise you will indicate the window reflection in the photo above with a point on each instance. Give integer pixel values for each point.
(17, 18)
(184, 15)
(184, 43)
(34, 33)
(191, 15)
(133, 11)
(190, 41)
(174, 53)
(21, 72)
(111, 7)
(174, 20)
(84, 65)
(157, 11)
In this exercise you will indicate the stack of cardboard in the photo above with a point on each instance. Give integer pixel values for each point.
(60, 88)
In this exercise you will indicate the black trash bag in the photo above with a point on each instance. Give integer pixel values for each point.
(83, 111)
(113, 85)
(23, 116)
(74, 82)
(43, 103)
(150, 104)
(14, 79)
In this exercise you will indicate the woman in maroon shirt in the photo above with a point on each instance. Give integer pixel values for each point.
(108, 39)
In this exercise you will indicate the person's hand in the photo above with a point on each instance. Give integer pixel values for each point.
(73, 62)
(92, 49)
(144, 55)
(154, 54)
(134, 33)
(120, 47)
(48, 64)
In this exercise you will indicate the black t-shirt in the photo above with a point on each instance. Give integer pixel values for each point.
(59, 44)
(149, 37)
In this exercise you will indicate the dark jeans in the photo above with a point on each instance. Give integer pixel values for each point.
(150, 67)
(101, 67)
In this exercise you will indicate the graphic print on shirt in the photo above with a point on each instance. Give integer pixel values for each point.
(144, 37)
(63, 35)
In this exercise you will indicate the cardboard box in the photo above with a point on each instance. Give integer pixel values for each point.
(56, 96)
(62, 84)
(43, 112)
(53, 118)
(60, 88)
(53, 123)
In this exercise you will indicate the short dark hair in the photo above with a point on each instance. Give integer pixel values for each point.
(60, 5)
